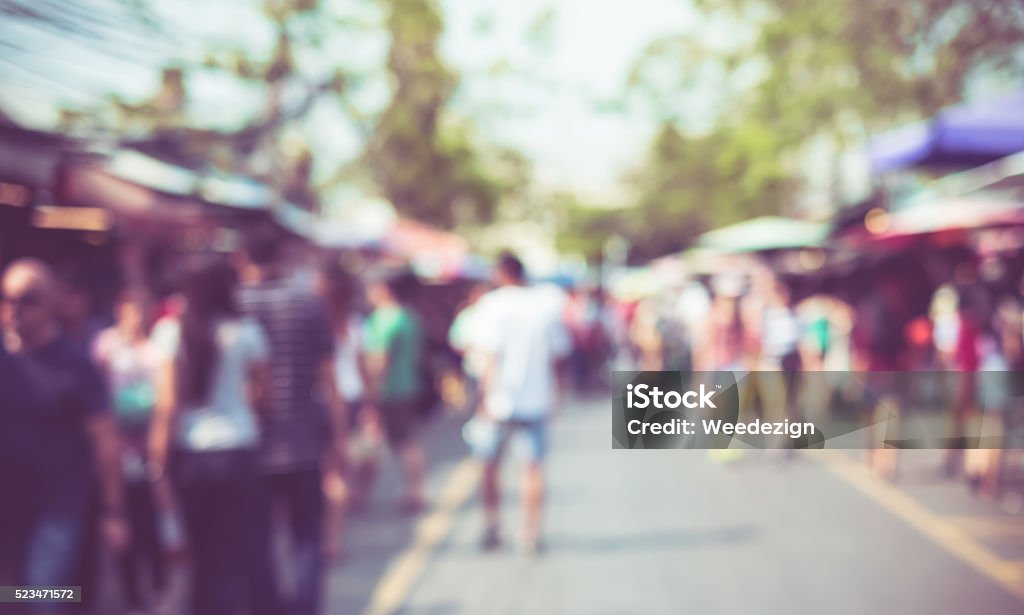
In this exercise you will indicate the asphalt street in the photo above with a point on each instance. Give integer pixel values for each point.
(657, 531)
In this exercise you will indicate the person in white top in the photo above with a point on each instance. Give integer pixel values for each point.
(212, 365)
(780, 348)
(462, 337)
(127, 358)
(521, 333)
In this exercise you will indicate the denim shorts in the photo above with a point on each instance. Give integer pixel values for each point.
(530, 439)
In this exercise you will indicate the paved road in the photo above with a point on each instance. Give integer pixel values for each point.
(675, 532)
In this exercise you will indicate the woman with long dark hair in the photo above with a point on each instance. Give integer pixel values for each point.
(205, 428)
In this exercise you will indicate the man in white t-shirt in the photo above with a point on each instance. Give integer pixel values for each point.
(521, 334)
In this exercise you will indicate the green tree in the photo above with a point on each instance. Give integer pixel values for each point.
(425, 160)
(428, 161)
(262, 145)
(582, 228)
(841, 67)
(688, 185)
(745, 92)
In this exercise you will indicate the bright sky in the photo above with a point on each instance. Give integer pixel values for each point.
(558, 117)
(547, 102)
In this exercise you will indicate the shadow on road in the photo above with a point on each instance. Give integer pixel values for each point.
(562, 543)
(671, 540)
(441, 608)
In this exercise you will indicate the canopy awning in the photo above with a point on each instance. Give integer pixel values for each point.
(93, 185)
(764, 234)
(30, 157)
(636, 283)
(967, 134)
(954, 214)
(1002, 178)
(432, 252)
(212, 186)
(296, 220)
(335, 235)
(953, 220)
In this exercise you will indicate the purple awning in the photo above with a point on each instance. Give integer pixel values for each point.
(968, 134)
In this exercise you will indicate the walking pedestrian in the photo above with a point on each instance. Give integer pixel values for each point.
(878, 339)
(525, 341)
(80, 325)
(129, 361)
(394, 353)
(56, 434)
(721, 344)
(779, 356)
(462, 336)
(206, 432)
(305, 423)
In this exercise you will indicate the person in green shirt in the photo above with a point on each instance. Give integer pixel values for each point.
(394, 345)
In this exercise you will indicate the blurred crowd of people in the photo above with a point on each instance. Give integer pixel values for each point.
(258, 398)
(755, 320)
(193, 420)
(187, 431)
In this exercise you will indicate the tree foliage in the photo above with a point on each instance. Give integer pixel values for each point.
(428, 162)
(840, 66)
(582, 228)
(873, 62)
(425, 160)
(685, 186)
(742, 94)
(688, 185)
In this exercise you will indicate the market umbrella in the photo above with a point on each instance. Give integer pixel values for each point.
(967, 134)
(764, 234)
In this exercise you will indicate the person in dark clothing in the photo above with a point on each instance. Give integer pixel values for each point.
(56, 436)
(306, 422)
(80, 327)
(881, 348)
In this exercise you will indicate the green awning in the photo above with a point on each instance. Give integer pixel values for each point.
(765, 233)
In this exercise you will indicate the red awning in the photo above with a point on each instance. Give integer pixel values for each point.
(435, 252)
(949, 221)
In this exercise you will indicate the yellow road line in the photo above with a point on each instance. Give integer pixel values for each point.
(401, 576)
(946, 534)
(991, 527)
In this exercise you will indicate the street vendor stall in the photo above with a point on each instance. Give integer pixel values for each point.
(965, 135)
(155, 209)
(30, 164)
(763, 234)
(432, 252)
(789, 247)
(907, 160)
